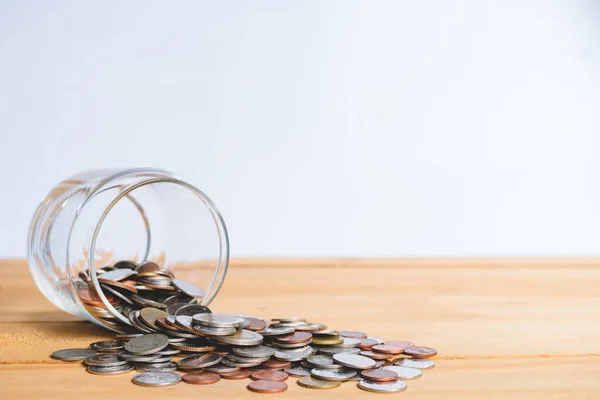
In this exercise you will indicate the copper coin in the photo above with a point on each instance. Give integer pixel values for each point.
(241, 374)
(276, 364)
(255, 324)
(375, 356)
(120, 285)
(367, 344)
(400, 343)
(93, 299)
(269, 375)
(162, 322)
(267, 386)
(379, 375)
(353, 334)
(388, 349)
(420, 352)
(147, 267)
(201, 378)
(294, 338)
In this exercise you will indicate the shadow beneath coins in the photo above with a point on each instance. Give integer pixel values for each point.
(79, 329)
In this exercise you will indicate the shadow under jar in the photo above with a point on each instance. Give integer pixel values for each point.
(96, 218)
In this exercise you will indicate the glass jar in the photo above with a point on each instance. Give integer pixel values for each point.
(98, 217)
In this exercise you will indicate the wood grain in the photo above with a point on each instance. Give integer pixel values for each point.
(526, 328)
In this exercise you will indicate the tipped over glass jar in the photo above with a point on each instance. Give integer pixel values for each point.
(152, 222)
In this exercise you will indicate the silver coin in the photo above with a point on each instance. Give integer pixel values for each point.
(147, 344)
(136, 358)
(192, 309)
(348, 342)
(102, 370)
(405, 372)
(289, 319)
(379, 363)
(158, 360)
(242, 337)
(332, 375)
(181, 336)
(378, 340)
(219, 320)
(157, 379)
(293, 354)
(291, 345)
(72, 354)
(117, 274)
(199, 361)
(323, 362)
(241, 364)
(164, 366)
(220, 368)
(253, 351)
(414, 363)
(116, 293)
(188, 288)
(240, 359)
(289, 324)
(107, 345)
(370, 386)
(179, 298)
(143, 302)
(354, 361)
(276, 331)
(211, 331)
(168, 351)
(105, 360)
(330, 350)
(297, 371)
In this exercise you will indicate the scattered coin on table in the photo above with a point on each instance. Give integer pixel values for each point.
(166, 329)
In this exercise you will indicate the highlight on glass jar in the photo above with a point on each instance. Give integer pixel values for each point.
(104, 244)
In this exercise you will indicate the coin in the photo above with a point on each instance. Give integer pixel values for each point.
(143, 302)
(107, 346)
(323, 362)
(104, 370)
(327, 341)
(378, 340)
(72, 354)
(333, 375)
(105, 360)
(198, 346)
(294, 354)
(255, 324)
(276, 364)
(267, 386)
(201, 378)
(276, 331)
(188, 288)
(199, 361)
(414, 363)
(250, 360)
(348, 342)
(168, 352)
(272, 375)
(399, 343)
(147, 344)
(297, 371)
(157, 379)
(116, 275)
(149, 315)
(376, 356)
(331, 350)
(210, 331)
(353, 334)
(379, 375)
(218, 320)
(405, 372)
(354, 361)
(220, 368)
(240, 374)
(192, 309)
(367, 344)
(388, 349)
(147, 266)
(420, 352)
(125, 264)
(137, 358)
(329, 332)
(290, 319)
(369, 386)
(294, 338)
(314, 383)
(254, 351)
(242, 337)
(157, 367)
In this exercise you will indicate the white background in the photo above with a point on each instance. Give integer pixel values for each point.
(320, 128)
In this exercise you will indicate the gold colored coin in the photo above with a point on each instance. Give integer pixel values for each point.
(312, 383)
(327, 340)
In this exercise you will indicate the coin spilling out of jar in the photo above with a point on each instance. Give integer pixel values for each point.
(170, 332)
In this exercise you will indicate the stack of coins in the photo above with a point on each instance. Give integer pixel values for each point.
(173, 333)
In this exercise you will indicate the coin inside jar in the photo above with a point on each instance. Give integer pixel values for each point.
(267, 386)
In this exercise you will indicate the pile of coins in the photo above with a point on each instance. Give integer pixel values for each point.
(206, 347)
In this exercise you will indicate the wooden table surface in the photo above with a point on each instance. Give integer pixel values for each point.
(518, 328)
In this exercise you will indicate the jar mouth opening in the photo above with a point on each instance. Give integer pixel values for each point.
(223, 240)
